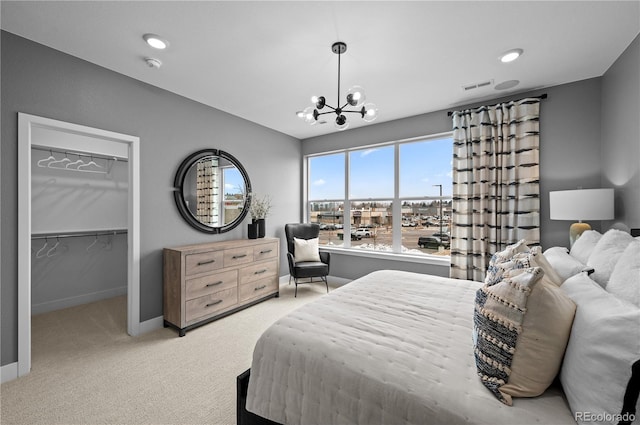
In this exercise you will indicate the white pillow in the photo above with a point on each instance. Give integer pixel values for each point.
(606, 254)
(563, 263)
(603, 346)
(306, 250)
(583, 246)
(625, 277)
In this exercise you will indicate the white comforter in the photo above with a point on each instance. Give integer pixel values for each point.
(391, 347)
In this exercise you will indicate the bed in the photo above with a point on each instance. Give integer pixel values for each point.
(396, 347)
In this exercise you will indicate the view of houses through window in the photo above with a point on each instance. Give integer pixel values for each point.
(371, 186)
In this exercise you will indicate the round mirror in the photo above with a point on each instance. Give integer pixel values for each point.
(212, 191)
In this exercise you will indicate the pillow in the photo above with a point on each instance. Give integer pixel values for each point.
(583, 246)
(306, 250)
(527, 259)
(625, 277)
(494, 273)
(606, 253)
(521, 328)
(603, 347)
(534, 258)
(563, 263)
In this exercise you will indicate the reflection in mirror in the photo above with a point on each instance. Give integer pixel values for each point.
(212, 191)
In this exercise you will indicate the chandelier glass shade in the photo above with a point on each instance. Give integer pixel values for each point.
(355, 98)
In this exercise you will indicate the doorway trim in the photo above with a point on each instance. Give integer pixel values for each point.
(26, 124)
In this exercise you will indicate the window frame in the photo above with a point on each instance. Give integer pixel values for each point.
(396, 200)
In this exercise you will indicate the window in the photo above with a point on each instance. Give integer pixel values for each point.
(396, 196)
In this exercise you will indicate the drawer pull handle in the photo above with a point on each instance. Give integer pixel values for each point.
(266, 251)
(235, 257)
(260, 271)
(260, 287)
(213, 284)
(213, 303)
(202, 263)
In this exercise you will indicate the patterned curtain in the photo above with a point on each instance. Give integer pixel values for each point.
(496, 183)
(208, 192)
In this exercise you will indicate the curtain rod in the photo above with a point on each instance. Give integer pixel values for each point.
(542, 96)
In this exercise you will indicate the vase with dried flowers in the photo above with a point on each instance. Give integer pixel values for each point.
(259, 210)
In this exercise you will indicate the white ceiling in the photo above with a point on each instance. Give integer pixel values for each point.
(263, 60)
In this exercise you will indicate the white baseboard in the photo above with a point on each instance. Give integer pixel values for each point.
(9, 372)
(78, 300)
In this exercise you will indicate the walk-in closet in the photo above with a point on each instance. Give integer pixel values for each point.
(78, 239)
(79, 228)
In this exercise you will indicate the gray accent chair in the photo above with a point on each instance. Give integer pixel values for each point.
(305, 269)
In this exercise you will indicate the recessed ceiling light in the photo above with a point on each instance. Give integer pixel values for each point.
(510, 55)
(156, 41)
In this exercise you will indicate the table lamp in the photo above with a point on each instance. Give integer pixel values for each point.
(581, 204)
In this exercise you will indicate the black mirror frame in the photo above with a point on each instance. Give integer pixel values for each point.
(178, 185)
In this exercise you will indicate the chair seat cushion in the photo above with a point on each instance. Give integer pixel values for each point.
(310, 269)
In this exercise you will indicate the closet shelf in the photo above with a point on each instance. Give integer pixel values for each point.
(78, 233)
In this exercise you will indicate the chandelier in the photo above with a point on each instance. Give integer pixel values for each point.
(355, 98)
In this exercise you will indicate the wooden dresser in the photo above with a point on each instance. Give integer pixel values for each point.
(205, 282)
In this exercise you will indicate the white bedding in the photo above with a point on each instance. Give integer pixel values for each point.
(391, 347)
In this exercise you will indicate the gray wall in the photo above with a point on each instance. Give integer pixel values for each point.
(569, 155)
(620, 150)
(41, 81)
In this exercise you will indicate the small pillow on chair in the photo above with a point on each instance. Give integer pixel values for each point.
(306, 250)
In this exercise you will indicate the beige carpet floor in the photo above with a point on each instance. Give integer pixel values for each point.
(87, 370)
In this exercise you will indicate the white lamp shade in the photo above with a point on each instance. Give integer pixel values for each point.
(581, 204)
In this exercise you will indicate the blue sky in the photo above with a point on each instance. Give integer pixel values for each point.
(422, 165)
(233, 181)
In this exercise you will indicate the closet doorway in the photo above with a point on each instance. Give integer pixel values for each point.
(44, 133)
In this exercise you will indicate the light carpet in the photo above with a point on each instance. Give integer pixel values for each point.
(87, 370)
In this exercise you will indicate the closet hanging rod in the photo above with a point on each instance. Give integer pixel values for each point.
(78, 234)
(79, 153)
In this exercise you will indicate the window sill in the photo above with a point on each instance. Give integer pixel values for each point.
(408, 258)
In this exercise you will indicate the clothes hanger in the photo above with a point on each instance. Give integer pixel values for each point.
(63, 162)
(76, 164)
(87, 167)
(54, 249)
(95, 241)
(45, 162)
(46, 242)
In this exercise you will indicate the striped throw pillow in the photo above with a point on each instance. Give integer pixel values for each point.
(521, 328)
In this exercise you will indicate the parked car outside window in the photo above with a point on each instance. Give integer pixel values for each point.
(444, 236)
(362, 232)
(431, 242)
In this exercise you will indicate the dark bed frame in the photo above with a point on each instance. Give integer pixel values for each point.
(244, 417)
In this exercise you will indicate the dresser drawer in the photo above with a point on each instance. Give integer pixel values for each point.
(235, 256)
(265, 251)
(258, 271)
(203, 262)
(258, 288)
(199, 286)
(210, 304)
